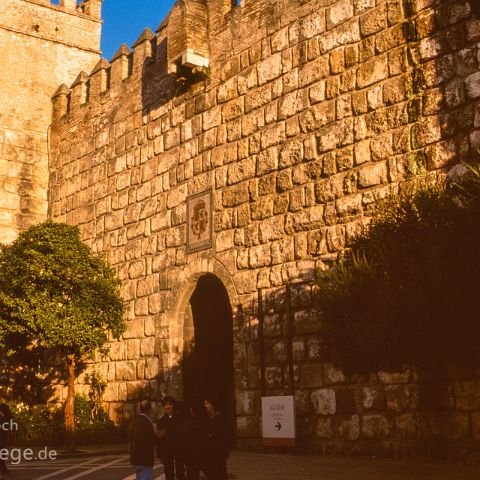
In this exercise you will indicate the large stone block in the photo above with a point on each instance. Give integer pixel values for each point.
(455, 425)
(402, 397)
(348, 427)
(406, 425)
(247, 426)
(135, 329)
(344, 34)
(374, 21)
(313, 71)
(324, 428)
(313, 24)
(372, 72)
(151, 367)
(372, 174)
(376, 426)
(269, 69)
(133, 349)
(126, 371)
(324, 401)
(311, 375)
(467, 395)
(373, 398)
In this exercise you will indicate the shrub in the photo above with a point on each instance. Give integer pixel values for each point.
(44, 425)
(406, 292)
(37, 424)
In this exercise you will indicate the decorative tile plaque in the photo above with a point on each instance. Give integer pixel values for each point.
(199, 221)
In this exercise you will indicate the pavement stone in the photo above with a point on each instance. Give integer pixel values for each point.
(96, 463)
(258, 466)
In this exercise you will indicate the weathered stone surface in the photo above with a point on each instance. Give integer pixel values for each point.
(133, 349)
(376, 426)
(467, 395)
(247, 426)
(313, 71)
(476, 425)
(333, 375)
(269, 69)
(406, 425)
(349, 427)
(125, 371)
(323, 401)
(455, 425)
(402, 397)
(472, 84)
(371, 72)
(339, 12)
(394, 377)
(372, 174)
(441, 154)
(324, 428)
(373, 398)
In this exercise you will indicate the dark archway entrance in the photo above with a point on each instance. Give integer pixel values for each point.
(208, 359)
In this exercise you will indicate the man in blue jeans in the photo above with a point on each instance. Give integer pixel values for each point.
(142, 443)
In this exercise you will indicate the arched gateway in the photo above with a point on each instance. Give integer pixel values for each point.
(207, 368)
(200, 318)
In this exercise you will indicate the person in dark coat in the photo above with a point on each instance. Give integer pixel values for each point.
(142, 443)
(169, 448)
(6, 426)
(193, 440)
(219, 442)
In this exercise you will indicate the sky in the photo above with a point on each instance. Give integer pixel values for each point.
(125, 20)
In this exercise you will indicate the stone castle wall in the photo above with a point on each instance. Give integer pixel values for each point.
(310, 112)
(43, 45)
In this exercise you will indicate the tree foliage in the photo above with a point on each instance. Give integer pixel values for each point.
(56, 296)
(406, 293)
(56, 293)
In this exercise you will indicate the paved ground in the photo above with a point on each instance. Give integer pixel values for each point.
(249, 466)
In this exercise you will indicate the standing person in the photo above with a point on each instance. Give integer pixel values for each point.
(142, 443)
(5, 427)
(193, 440)
(169, 448)
(219, 442)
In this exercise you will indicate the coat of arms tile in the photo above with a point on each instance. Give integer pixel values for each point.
(199, 221)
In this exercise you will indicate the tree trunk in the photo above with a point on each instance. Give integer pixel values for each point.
(70, 405)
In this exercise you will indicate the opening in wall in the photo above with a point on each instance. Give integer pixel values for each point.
(130, 65)
(208, 353)
(108, 78)
(87, 91)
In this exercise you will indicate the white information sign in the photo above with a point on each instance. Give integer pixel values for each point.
(278, 421)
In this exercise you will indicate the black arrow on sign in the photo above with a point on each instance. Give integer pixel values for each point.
(278, 426)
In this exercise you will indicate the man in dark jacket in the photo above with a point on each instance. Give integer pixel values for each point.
(142, 443)
(169, 429)
(194, 441)
(219, 442)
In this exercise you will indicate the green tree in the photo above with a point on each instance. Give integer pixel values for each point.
(406, 293)
(57, 295)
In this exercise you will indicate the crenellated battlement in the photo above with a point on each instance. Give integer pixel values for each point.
(88, 8)
(181, 45)
(107, 76)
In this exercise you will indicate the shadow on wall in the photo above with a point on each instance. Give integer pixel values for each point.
(29, 376)
(159, 86)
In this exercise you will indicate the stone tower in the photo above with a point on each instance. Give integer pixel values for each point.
(43, 46)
